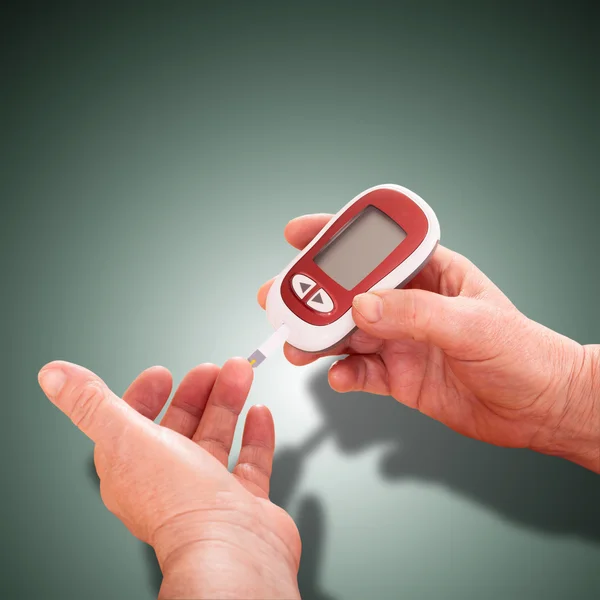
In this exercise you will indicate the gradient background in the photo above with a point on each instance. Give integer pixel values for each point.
(151, 155)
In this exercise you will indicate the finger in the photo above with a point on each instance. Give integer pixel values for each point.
(255, 462)
(452, 274)
(87, 401)
(358, 342)
(149, 391)
(430, 277)
(300, 358)
(188, 404)
(217, 426)
(364, 373)
(263, 292)
(465, 328)
(299, 232)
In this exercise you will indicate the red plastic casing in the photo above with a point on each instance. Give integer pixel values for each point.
(398, 207)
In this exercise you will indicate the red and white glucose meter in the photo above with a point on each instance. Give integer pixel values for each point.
(380, 240)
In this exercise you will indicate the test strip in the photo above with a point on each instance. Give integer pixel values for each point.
(275, 340)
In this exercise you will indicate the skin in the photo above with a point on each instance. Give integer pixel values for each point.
(215, 533)
(453, 346)
(450, 345)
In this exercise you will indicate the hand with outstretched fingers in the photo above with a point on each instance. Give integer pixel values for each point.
(453, 346)
(215, 533)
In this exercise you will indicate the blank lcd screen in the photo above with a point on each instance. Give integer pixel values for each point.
(360, 247)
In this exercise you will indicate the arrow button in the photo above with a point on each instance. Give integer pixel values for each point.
(321, 302)
(302, 285)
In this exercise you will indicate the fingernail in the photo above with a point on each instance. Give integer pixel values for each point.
(342, 376)
(52, 381)
(370, 306)
(334, 370)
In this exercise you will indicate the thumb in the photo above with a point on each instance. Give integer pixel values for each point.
(86, 400)
(465, 328)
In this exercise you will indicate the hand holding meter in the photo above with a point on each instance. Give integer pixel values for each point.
(380, 240)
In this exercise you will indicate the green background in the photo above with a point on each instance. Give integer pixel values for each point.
(151, 156)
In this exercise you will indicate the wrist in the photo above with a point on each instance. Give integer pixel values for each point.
(219, 570)
(219, 554)
(572, 428)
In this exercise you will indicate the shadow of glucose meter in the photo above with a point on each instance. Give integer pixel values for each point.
(380, 240)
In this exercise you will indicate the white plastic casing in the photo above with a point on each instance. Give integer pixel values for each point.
(316, 338)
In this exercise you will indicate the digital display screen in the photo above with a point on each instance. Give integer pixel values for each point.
(360, 247)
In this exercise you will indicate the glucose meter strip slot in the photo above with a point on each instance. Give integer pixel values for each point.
(276, 340)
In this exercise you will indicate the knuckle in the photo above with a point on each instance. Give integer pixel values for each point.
(361, 372)
(507, 326)
(253, 470)
(422, 318)
(89, 397)
(494, 332)
(369, 377)
(412, 316)
(216, 446)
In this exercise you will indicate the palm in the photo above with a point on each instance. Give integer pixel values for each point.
(193, 481)
(190, 449)
(170, 484)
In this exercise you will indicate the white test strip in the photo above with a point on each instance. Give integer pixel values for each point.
(275, 341)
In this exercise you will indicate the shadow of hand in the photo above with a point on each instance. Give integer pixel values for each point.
(535, 490)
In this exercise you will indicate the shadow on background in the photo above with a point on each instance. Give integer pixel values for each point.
(537, 491)
(310, 519)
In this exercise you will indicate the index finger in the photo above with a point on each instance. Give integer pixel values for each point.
(86, 400)
(149, 391)
(299, 232)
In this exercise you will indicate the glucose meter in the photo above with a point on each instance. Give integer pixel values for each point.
(380, 240)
